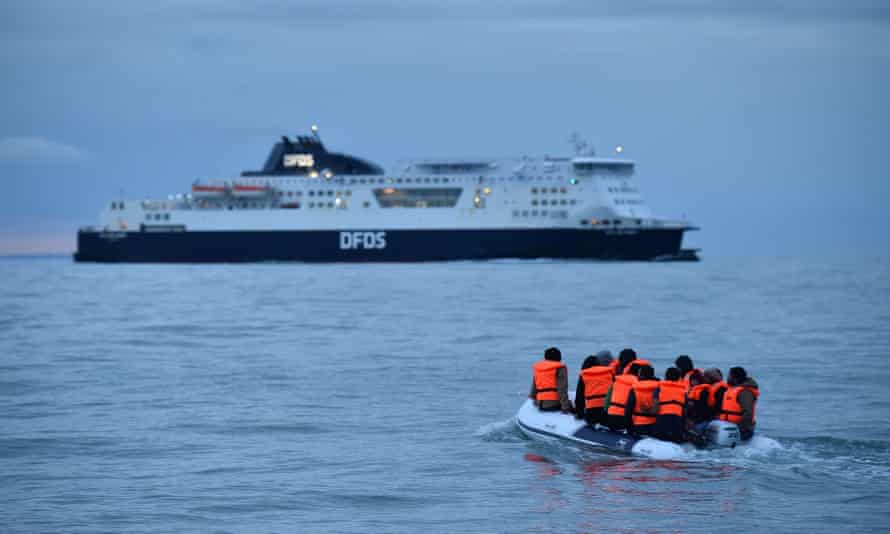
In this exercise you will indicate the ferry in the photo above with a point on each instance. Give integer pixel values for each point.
(310, 205)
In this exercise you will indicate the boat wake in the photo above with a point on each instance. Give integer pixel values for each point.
(854, 459)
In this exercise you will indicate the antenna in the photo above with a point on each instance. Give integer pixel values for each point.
(580, 145)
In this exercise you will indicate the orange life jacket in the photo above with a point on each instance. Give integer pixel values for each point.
(597, 380)
(639, 363)
(613, 365)
(715, 390)
(545, 372)
(644, 412)
(671, 397)
(688, 376)
(731, 410)
(620, 392)
(696, 392)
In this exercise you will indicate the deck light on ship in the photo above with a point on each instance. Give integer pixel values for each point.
(487, 190)
(313, 174)
(619, 149)
(314, 128)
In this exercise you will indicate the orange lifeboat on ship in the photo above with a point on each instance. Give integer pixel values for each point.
(208, 190)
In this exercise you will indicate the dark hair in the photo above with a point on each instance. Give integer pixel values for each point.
(684, 363)
(624, 358)
(604, 357)
(590, 361)
(672, 374)
(696, 377)
(645, 371)
(553, 354)
(738, 374)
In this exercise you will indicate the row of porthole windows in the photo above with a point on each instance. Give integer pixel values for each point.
(429, 180)
(554, 202)
(315, 193)
(607, 222)
(426, 180)
(619, 201)
(554, 214)
(242, 204)
(398, 180)
(311, 205)
(543, 190)
(532, 213)
(157, 216)
(623, 190)
(117, 205)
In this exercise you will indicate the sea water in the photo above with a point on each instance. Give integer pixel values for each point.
(380, 398)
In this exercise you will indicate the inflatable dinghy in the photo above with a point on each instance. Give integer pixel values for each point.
(557, 425)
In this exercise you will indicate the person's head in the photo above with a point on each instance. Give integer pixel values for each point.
(646, 372)
(712, 375)
(737, 375)
(553, 354)
(604, 357)
(590, 361)
(696, 378)
(684, 363)
(672, 374)
(625, 357)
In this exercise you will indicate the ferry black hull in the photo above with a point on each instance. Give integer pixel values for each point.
(379, 246)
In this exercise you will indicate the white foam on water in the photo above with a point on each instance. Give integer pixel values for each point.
(505, 430)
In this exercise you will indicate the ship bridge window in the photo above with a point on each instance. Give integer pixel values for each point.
(418, 197)
(454, 167)
(610, 168)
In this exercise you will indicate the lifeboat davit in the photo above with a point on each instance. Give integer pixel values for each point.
(208, 191)
(251, 191)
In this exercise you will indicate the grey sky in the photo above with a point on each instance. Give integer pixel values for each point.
(768, 124)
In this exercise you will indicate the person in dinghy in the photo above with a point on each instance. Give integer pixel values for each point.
(550, 383)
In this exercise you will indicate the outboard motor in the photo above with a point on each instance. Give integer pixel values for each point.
(722, 434)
